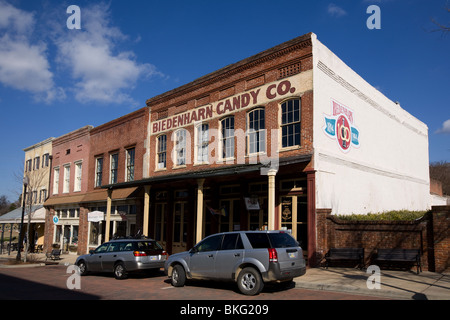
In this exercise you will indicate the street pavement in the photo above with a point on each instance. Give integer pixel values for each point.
(393, 284)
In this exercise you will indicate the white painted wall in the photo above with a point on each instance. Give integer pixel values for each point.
(389, 169)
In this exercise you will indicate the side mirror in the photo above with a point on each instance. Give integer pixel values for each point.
(91, 251)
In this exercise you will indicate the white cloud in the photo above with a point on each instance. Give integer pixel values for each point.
(101, 71)
(23, 64)
(336, 11)
(445, 128)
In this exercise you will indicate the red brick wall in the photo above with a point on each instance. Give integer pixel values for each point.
(117, 136)
(429, 234)
(251, 73)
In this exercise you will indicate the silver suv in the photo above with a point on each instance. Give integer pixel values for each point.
(122, 256)
(249, 258)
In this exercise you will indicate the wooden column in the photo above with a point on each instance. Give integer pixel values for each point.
(199, 233)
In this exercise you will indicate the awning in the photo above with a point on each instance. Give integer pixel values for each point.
(94, 196)
(64, 200)
(102, 195)
(15, 216)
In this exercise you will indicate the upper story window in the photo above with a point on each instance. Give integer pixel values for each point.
(98, 171)
(114, 167)
(227, 138)
(256, 131)
(66, 178)
(45, 160)
(162, 152)
(290, 123)
(36, 163)
(28, 165)
(130, 164)
(78, 171)
(180, 147)
(55, 180)
(202, 143)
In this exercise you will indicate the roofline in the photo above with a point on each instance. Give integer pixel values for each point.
(233, 68)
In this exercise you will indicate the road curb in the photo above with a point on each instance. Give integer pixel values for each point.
(382, 293)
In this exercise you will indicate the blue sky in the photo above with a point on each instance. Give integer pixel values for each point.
(54, 80)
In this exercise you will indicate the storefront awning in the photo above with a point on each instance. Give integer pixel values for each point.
(15, 216)
(94, 196)
(63, 200)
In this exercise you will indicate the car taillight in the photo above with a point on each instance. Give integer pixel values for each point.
(165, 254)
(273, 256)
(139, 254)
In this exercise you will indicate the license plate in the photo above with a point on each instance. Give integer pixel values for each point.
(153, 258)
(292, 254)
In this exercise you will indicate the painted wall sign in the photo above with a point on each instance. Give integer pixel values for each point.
(340, 126)
(229, 105)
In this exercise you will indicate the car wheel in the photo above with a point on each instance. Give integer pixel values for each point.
(178, 276)
(250, 282)
(120, 272)
(82, 268)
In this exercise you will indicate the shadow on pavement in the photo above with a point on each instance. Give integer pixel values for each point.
(12, 288)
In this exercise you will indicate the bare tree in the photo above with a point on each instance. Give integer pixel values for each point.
(440, 171)
(441, 27)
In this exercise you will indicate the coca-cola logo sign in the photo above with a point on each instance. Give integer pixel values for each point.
(340, 127)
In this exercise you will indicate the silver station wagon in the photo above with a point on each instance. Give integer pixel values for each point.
(250, 258)
(122, 256)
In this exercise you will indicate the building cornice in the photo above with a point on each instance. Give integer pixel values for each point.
(236, 68)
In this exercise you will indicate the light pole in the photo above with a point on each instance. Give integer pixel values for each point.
(25, 184)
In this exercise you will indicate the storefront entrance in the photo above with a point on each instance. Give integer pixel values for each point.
(180, 230)
(293, 214)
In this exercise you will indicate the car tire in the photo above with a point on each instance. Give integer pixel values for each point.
(178, 278)
(250, 282)
(82, 267)
(120, 272)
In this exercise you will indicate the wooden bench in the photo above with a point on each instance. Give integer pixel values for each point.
(55, 254)
(345, 254)
(399, 256)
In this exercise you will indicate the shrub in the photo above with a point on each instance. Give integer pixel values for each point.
(401, 215)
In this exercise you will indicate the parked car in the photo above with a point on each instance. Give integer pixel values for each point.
(122, 256)
(250, 258)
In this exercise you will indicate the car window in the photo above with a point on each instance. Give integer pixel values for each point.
(102, 248)
(148, 245)
(258, 240)
(114, 246)
(126, 246)
(210, 244)
(232, 241)
(282, 240)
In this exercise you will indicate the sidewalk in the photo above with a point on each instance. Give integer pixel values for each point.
(404, 285)
(40, 258)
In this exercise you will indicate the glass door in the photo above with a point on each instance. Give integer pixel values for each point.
(179, 227)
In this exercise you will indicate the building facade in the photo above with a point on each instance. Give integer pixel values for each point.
(260, 144)
(68, 186)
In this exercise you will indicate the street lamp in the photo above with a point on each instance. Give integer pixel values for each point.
(25, 184)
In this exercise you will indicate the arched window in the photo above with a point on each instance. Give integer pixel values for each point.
(180, 147)
(227, 139)
(202, 142)
(256, 131)
(290, 123)
(162, 152)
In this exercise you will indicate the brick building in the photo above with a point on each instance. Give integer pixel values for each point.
(262, 143)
